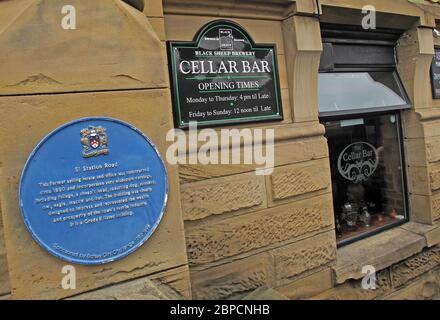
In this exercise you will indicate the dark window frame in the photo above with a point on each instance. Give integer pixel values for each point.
(404, 174)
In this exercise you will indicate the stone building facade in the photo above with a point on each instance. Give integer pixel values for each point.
(226, 232)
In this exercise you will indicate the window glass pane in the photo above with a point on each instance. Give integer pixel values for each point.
(366, 168)
(357, 91)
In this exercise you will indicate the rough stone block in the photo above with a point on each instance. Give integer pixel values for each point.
(436, 207)
(223, 195)
(415, 266)
(155, 287)
(433, 149)
(309, 285)
(184, 27)
(430, 232)
(426, 287)
(4, 274)
(424, 208)
(417, 152)
(285, 153)
(233, 279)
(113, 47)
(307, 254)
(158, 26)
(265, 294)
(380, 251)
(434, 176)
(352, 289)
(232, 236)
(294, 180)
(153, 8)
(419, 180)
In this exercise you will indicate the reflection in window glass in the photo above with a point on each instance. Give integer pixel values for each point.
(366, 168)
(360, 90)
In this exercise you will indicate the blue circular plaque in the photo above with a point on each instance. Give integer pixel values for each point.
(93, 191)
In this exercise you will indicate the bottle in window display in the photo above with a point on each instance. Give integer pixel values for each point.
(365, 217)
(338, 226)
(350, 214)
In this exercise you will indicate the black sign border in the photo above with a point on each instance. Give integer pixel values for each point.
(194, 43)
(434, 95)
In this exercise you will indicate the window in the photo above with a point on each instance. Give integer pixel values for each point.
(367, 174)
(360, 102)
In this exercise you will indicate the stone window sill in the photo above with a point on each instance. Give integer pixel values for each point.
(384, 249)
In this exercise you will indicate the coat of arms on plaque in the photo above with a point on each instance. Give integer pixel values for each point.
(94, 141)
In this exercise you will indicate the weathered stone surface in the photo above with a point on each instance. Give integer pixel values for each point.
(436, 207)
(431, 128)
(294, 180)
(153, 8)
(6, 297)
(433, 149)
(423, 208)
(235, 235)
(223, 195)
(4, 274)
(415, 56)
(34, 273)
(146, 288)
(380, 251)
(303, 64)
(176, 279)
(415, 266)
(305, 149)
(308, 286)
(307, 254)
(233, 279)
(265, 293)
(184, 27)
(430, 232)
(434, 176)
(419, 180)
(416, 151)
(258, 10)
(113, 47)
(426, 287)
(158, 26)
(352, 289)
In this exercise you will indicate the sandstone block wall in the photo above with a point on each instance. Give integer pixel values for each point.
(112, 65)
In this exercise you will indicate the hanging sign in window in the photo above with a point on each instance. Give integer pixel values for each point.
(358, 161)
